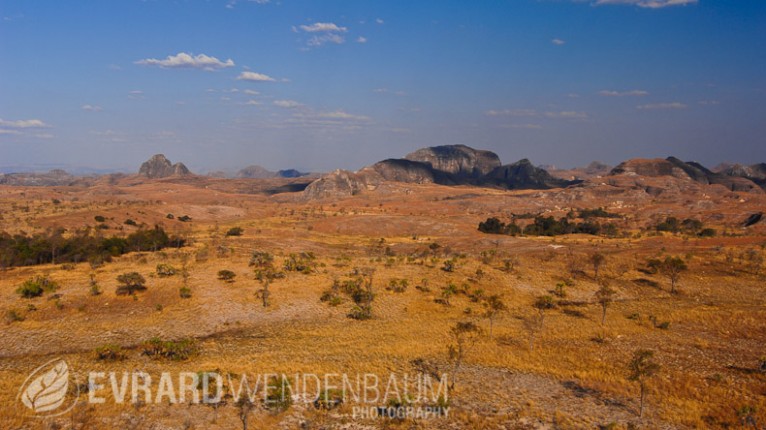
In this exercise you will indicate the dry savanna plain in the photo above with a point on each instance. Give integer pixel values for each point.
(397, 280)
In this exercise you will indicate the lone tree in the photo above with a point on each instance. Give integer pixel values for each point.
(542, 304)
(244, 406)
(671, 268)
(130, 283)
(597, 260)
(464, 336)
(493, 305)
(642, 368)
(604, 296)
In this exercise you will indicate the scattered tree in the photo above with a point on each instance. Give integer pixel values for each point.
(464, 336)
(597, 260)
(604, 296)
(493, 306)
(130, 283)
(671, 268)
(642, 368)
(542, 304)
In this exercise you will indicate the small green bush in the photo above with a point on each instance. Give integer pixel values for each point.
(36, 286)
(235, 231)
(157, 348)
(165, 270)
(226, 275)
(110, 352)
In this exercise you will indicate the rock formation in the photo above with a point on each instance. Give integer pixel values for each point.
(160, 167)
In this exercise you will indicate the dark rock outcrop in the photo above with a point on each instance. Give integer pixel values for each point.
(444, 165)
(160, 167)
(755, 173)
(690, 170)
(523, 175)
(457, 160)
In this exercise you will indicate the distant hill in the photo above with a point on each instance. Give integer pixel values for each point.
(674, 167)
(444, 165)
(160, 167)
(258, 172)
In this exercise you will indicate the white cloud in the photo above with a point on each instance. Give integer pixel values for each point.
(567, 115)
(558, 42)
(708, 102)
(251, 92)
(188, 61)
(91, 108)
(287, 104)
(528, 126)
(632, 93)
(23, 123)
(361, 39)
(512, 112)
(325, 38)
(342, 115)
(379, 21)
(534, 113)
(319, 27)
(325, 32)
(254, 77)
(649, 4)
(660, 106)
(252, 102)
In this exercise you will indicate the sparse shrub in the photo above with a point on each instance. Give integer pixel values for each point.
(185, 292)
(226, 275)
(279, 397)
(329, 399)
(99, 218)
(560, 291)
(360, 312)
(130, 283)
(184, 218)
(110, 352)
(165, 270)
(235, 231)
(130, 222)
(303, 262)
(36, 286)
(68, 266)
(170, 216)
(157, 348)
(449, 266)
(12, 316)
(397, 285)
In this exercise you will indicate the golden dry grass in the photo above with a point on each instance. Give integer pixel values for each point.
(575, 377)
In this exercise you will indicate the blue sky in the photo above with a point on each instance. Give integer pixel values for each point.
(319, 85)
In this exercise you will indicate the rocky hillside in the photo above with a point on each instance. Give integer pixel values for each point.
(693, 171)
(160, 167)
(444, 165)
(457, 160)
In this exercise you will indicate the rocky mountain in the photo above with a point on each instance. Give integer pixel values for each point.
(160, 167)
(755, 172)
(523, 175)
(690, 170)
(457, 160)
(444, 165)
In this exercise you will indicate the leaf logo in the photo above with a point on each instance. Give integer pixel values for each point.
(45, 389)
